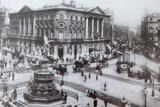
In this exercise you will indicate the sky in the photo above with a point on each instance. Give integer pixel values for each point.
(125, 12)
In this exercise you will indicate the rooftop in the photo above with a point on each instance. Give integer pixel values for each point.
(63, 5)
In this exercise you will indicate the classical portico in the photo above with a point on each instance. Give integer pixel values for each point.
(26, 26)
(94, 27)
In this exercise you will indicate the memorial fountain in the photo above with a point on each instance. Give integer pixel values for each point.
(42, 88)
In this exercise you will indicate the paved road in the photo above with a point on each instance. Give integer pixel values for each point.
(139, 83)
(112, 100)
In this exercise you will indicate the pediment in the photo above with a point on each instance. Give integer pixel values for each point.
(25, 9)
(97, 10)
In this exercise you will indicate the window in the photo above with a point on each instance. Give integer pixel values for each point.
(75, 35)
(71, 17)
(81, 18)
(68, 49)
(80, 34)
(60, 34)
(76, 17)
(150, 19)
(70, 34)
(85, 48)
(61, 16)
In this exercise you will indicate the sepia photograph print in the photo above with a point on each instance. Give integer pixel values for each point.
(79, 53)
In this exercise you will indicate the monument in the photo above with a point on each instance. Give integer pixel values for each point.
(42, 88)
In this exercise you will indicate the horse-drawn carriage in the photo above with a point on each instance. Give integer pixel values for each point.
(60, 68)
(78, 65)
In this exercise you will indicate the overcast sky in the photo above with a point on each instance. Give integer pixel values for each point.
(126, 12)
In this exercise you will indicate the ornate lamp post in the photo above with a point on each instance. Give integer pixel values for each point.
(153, 93)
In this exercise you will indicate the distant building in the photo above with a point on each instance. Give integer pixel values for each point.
(121, 33)
(4, 22)
(4, 28)
(149, 28)
(72, 31)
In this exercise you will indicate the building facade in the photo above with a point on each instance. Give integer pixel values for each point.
(121, 34)
(149, 28)
(71, 32)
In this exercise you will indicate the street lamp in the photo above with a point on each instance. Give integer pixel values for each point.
(134, 59)
(145, 95)
(159, 75)
(153, 85)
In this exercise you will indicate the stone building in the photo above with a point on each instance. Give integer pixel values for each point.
(121, 34)
(4, 28)
(149, 28)
(71, 31)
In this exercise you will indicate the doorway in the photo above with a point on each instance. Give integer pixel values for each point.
(75, 51)
(60, 52)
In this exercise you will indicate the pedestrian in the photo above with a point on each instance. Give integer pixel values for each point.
(95, 102)
(88, 105)
(62, 94)
(123, 102)
(94, 94)
(91, 94)
(13, 76)
(96, 76)
(107, 63)
(5, 89)
(105, 86)
(15, 94)
(128, 104)
(85, 78)
(82, 73)
(88, 93)
(105, 101)
(65, 97)
(89, 75)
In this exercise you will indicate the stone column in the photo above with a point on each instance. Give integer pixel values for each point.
(92, 27)
(102, 28)
(55, 51)
(49, 33)
(86, 27)
(29, 26)
(72, 51)
(34, 25)
(20, 26)
(97, 25)
(65, 51)
(44, 32)
(24, 27)
(40, 32)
